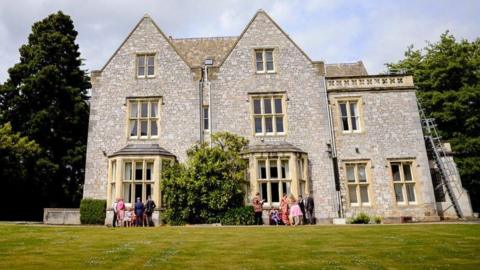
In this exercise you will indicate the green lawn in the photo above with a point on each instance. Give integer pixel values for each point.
(445, 246)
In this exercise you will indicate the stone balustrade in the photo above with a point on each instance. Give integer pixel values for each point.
(369, 82)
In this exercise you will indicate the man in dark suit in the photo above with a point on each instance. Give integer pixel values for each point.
(301, 203)
(309, 206)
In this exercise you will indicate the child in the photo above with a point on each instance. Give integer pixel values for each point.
(274, 216)
(128, 217)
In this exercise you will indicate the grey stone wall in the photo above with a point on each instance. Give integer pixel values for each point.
(179, 114)
(391, 130)
(306, 110)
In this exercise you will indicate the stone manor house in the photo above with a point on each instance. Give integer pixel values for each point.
(352, 140)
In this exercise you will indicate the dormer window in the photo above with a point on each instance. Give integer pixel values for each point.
(264, 61)
(145, 65)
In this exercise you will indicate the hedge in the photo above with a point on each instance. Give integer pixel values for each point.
(239, 216)
(92, 211)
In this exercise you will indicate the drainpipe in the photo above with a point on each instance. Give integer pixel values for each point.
(333, 151)
(200, 98)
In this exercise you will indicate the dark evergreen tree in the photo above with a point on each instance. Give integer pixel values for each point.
(45, 99)
(447, 74)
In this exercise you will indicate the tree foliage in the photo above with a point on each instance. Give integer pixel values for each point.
(209, 184)
(45, 100)
(447, 74)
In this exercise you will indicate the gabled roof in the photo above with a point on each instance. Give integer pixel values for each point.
(273, 147)
(346, 69)
(142, 150)
(196, 50)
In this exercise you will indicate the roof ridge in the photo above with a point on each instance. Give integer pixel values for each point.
(345, 63)
(205, 38)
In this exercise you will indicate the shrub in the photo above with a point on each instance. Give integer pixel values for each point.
(377, 219)
(361, 218)
(239, 216)
(92, 211)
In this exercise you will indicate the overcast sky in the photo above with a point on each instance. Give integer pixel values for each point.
(376, 32)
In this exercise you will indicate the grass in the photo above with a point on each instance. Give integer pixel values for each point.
(446, 246)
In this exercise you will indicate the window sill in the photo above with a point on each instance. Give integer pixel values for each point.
(146, 77)
(265, 72)
(270, 134)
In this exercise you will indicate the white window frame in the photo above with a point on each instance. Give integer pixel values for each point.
(146, 65)
(133, 182)
(205, 117)
(139, 119)
(272, 115)
(403, 182)
(349, 116)
(357, 184)
(264, 61)
(269, 180)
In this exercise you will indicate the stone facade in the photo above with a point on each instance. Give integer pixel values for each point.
(389, 115)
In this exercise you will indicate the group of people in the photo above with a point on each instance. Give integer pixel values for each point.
(292, 211)
(137, 216)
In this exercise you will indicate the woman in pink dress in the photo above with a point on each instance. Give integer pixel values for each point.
(284, 209)
(295, 211)
(120, 210)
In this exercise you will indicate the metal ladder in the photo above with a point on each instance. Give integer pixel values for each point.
(446, 167)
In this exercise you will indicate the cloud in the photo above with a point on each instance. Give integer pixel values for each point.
(336, 31)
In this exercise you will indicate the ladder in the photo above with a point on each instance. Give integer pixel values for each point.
(446, 167)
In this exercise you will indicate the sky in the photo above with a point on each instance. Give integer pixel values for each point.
(376, 32)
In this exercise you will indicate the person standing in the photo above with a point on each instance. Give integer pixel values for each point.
(309, 206)
(114, 207)
(295, 211)
(284, 209)
(120, 211)
(149, 207)
(139, 208)
(301, 203)
(258, 208)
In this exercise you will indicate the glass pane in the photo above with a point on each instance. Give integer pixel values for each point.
(151, 71)
(138, 192)
(113, 173)
(141, 61)
(278, 105)
(127, 174)
(398, 192)
(396, 172)
(259, 56)
(267, 105)
(299, 168)
(153, 109)
(150, 60)
(149, 171)
(364, 193)
(262, 170)
(133, 109)
(144, 109)
(138, 170)
(269, 55)
(256, 106)
(353, 109)
(141, 71)
(268, 125)
(154, 128)
(345, 123)
(407, 171)
(113, 193)
(269, 66)
(275, 192)
(279, 123)
(354, 123)
(285, 169)
(343, 109)
(127, 190)
(362, 176)
(143, 128)
(273, 169)
(258, 125)
(286, 188)
(133, 128)
(259, 66)
(351, 173)
(352, 193)
(149, 190)
(263, 191)
(411, 192)
(205, 118)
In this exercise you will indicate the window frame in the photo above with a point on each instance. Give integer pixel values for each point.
(264, 60)
(206, 117)
(146, 65)
(287, 180)
(133, 181)
(360, 123)
(414, 182)
(139, 118)
(357, 184)
(273, 115)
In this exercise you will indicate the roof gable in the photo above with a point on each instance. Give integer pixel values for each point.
(346, 69)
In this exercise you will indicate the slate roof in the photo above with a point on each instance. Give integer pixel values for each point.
(273, 147)
(346, 69)
(196, 50)
(142, 150)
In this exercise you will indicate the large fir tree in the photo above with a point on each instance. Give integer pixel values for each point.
(45, 99)
(447, 74)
